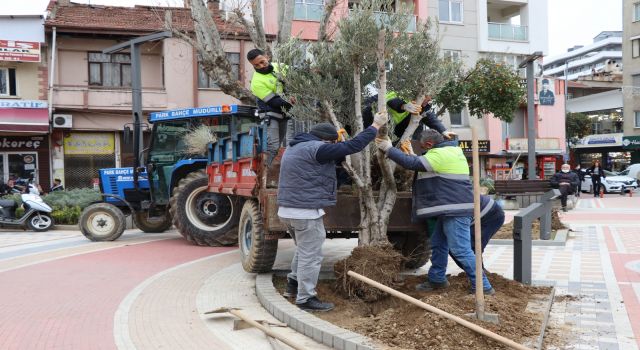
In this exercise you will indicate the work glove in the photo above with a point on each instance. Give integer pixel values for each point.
(449, 134)
(406, 147)
(342, 135)
(383, 143)
(380, 119)
(412, 108)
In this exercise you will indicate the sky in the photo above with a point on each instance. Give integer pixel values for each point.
(571, 22)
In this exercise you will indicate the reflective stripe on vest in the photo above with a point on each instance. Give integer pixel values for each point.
(486, 209)
(423, 175)
(446, 207)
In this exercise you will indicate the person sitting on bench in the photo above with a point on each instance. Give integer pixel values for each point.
(566, 181)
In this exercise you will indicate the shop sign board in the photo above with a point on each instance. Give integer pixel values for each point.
(631, 142)
(19, 51)
(542, 144)
(9, 143)
(7, 103)
(601, 140)
(85, 143)
(483, 146)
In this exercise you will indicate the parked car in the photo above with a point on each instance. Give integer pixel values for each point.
(633, 171)
(613, 182)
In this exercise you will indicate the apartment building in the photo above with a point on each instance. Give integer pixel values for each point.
(506, 32)
(91, 91)
(631, 78)
(24, 114)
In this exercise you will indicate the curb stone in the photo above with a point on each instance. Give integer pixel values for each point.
(306, 323)
(560, 240)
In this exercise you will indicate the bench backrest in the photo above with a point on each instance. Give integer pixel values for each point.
(521, 186)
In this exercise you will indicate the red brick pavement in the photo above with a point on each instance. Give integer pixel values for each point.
(69, 303)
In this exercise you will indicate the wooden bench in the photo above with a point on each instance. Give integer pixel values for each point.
(525, 192)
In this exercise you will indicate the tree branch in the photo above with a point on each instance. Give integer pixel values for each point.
(286, 17)
(324, 22)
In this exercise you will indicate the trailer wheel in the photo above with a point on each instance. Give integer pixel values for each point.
(414, 245)
(257, 253)
(102, 222)
(152, 225)
(205, 218)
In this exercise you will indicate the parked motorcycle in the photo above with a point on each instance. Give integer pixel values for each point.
(37, 214)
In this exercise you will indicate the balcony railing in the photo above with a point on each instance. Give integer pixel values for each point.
(506, 31)
(383, 17)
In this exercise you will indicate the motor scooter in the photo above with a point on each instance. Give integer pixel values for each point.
(37, 214)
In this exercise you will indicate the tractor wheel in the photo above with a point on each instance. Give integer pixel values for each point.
(414, 245)
(40, 223)
(102, 222)
(257, 253)
(205, 218)
(152, 225)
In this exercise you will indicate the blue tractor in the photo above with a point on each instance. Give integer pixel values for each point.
(170, 187)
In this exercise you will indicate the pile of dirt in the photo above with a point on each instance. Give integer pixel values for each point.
(379, 262)
(401, 325)
(506, 231)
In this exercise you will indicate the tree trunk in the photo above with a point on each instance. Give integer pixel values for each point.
(285, 15)
(324, 22)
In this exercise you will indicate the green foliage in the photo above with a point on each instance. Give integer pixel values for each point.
(67, 215)
(321, 75)
(72, 198)
(490, 88)
(578, 126)
(489, 184)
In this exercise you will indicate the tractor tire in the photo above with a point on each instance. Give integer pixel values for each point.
(204, 218)
(102, 222)
(40, 223)
(414, 245)
(257, 253)
(152, 225)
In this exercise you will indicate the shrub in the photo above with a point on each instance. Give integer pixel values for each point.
(489, 184)
(67, 215)
(60, 200)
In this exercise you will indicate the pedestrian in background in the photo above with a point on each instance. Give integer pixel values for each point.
(597, 174)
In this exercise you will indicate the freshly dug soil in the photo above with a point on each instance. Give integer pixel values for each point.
(506, 231)
(381, 263)
(401, 325)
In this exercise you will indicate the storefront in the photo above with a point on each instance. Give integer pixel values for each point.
(631, 144)
(549, 157)
(84, 154)
(608, 149)
(483, 150)
(24, 141)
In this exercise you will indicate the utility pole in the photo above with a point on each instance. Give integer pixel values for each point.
(136, 91)
(531, 117)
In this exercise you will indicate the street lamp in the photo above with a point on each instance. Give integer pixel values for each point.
(531, 119)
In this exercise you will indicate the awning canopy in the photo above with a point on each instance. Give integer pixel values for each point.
(31, 120)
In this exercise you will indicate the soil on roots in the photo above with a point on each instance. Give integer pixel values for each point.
(379, 262)
(400, 325)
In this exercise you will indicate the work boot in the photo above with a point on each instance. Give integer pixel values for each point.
(489, 291)
(564, 209)
(292, 288)
(314, 304)
(429, 286)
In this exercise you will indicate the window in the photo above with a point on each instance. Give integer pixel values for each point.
(109, 70)
(450, 11)
(456, 118)
(206, 82)
(637, 119)
(452, 55)
(636, 11)
(635, 48)
(8, 82)
(308, 10)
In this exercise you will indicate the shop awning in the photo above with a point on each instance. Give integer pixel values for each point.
(32, 120)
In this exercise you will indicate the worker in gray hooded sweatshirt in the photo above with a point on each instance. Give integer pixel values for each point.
(307, 185)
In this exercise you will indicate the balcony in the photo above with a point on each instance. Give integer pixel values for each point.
(106, 99)
(383, 17)
(508, 32)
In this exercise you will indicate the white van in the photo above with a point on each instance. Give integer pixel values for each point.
(633, 170)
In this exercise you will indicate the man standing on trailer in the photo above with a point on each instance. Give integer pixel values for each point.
(307, 185)
(267, 88)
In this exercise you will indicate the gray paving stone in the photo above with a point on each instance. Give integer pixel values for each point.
(327, 339)
(608, 346)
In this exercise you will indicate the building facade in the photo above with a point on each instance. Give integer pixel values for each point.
(24, 113)
(631, 78)
(91, 91)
